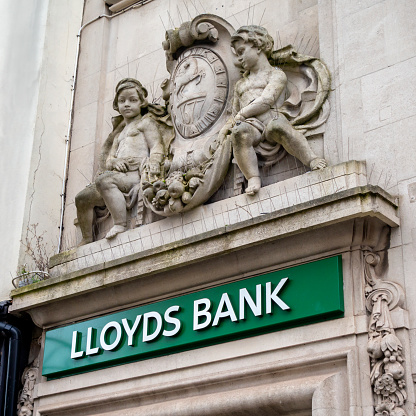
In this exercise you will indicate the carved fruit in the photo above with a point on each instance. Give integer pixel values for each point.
(195, 172)
(374, 348)
(194, 183)
(149, 193)
(186, 197)
(175, 205)
(395, 369)
(146, 184)
(176, 189)
(161, 198)
(158, 185)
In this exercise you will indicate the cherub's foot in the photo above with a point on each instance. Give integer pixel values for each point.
(318, 163)
(117, 229)
(85, 241)
(254, 185)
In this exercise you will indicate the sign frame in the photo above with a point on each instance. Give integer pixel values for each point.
(295, 296)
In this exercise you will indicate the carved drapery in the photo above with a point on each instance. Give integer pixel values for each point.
(384, 347)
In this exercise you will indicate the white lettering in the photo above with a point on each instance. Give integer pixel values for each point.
(205, 312)
(245, 297)
(103, 342)
(272, 296)
(130, 331)
(155, 315)
(171, 320)
(225, 301)
(74, 353)
(89, 350)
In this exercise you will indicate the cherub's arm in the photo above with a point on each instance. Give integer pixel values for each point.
(155, 144)
(271, 93)
(114, 163)
(235, 109)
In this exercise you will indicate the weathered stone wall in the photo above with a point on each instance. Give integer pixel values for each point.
(38, 42)
(320, 369)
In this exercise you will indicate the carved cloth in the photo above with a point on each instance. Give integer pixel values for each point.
(268, 153)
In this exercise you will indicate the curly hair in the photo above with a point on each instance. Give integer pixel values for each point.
(257, 35)
(126, 83)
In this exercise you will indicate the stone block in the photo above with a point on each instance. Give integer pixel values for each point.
(389, 95)
(84, 128)
(80, 170)
(363, 35)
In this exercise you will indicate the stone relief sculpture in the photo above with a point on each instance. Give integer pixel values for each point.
(228, 94)
(141, 130)
(258, 97)
(26, 399)
(384, 347)
(216, 112)
(25, 403)
(197, 92)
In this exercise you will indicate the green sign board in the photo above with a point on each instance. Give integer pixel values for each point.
(286, 298)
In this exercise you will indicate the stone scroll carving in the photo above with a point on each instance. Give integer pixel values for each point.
(384, 348)
(228, 94)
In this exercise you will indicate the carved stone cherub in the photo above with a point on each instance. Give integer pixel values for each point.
(258, 95)
(136, 137)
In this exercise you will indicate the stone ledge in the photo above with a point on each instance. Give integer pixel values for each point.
(77, 273)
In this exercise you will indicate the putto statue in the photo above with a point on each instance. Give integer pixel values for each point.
(138, 135)
(229, 98)
(257, 99)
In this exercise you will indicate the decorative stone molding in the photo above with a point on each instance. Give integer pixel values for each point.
(25, 404)
(384, 348)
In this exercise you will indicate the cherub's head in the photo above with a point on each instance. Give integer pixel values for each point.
(131, 84)
(256, 35)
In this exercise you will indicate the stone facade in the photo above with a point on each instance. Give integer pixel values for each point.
(359, 207)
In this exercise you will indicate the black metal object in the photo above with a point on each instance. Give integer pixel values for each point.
(15, 336)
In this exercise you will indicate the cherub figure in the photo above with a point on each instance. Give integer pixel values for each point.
(136, 137)
(258, 95)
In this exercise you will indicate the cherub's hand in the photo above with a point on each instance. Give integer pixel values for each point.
(154, 168)
(224, 132)
(239, 117)
(120, 165)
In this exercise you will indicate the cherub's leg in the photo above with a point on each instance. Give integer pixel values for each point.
(281, 131)
(85, 201)
(111, 186)
(244, 137)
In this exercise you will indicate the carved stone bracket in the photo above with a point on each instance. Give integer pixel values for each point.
(25, 403)
(384, 348)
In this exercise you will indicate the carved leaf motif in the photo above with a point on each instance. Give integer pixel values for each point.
(384, 347)
(390, 343)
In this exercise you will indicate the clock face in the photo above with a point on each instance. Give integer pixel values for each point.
(200, 90)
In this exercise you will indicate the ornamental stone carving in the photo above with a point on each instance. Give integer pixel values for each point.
(25, 403)
(140, 136)
(228, 94)
(384, 347)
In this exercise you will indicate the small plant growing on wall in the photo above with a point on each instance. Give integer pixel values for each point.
(38, 253)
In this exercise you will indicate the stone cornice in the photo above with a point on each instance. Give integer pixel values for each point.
(134, 262)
